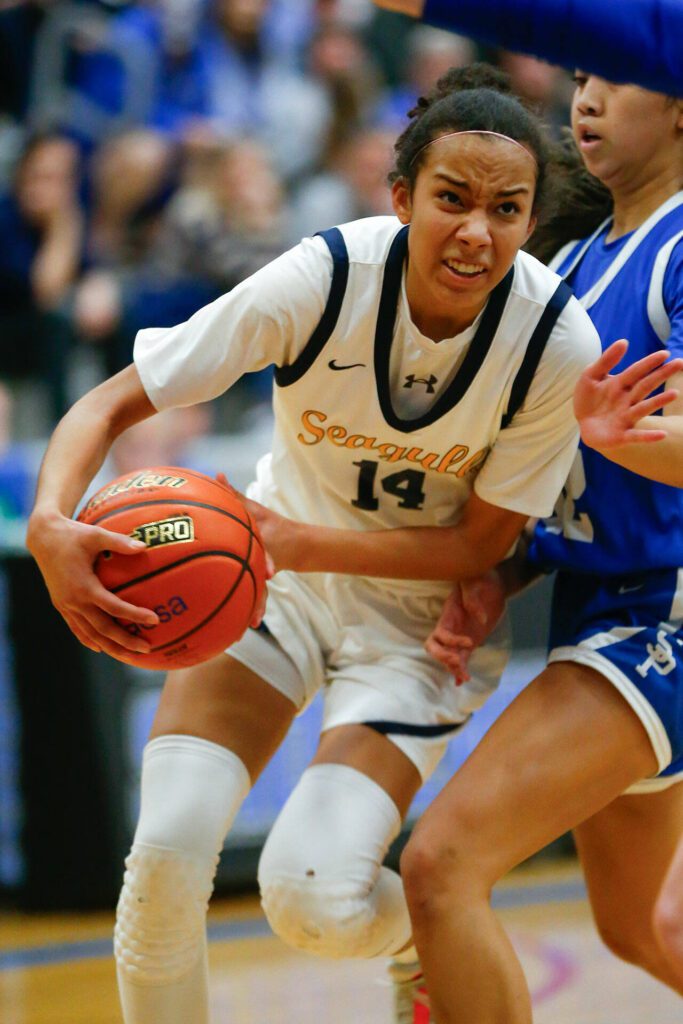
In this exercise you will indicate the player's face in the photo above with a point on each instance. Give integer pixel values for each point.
(470, 211)
(627, 136)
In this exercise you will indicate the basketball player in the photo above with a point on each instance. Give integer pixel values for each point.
(422, 414)
(629, 41)
(595, 743)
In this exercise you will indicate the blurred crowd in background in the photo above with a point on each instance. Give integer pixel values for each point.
(154, 153)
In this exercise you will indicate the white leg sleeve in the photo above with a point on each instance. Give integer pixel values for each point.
(323, 888)
(191, 792)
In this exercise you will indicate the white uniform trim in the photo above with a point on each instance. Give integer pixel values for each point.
(656, 309)
(600, 286)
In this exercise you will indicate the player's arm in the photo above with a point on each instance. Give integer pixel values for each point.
(615, 413)
(483, 536)
(625, 41)
(65, 550)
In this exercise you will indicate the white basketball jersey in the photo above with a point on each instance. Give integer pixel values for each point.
(348, 448)
(377, 426)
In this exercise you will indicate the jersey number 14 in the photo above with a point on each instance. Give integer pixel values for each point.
(406, 485)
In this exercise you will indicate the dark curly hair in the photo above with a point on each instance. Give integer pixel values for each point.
(568, 201)
(476, 97)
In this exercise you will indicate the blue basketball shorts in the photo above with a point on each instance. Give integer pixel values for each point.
(630, 630)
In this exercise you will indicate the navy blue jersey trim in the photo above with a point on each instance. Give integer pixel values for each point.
(476, 353)
(535, 349)
(407, 729)
(286, 375)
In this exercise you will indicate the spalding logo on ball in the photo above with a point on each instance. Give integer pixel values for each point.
(202, 570)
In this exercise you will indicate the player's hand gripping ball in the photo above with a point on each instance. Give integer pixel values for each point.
(203, 569)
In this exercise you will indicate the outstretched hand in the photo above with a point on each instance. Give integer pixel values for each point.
(609, 406)
(470, 614)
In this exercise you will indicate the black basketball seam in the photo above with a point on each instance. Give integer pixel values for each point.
(248, 559)
(180, 561)
(200, 625)
(223, 554)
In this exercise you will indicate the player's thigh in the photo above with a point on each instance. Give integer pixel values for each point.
(371, 753)
(565, 748)
(227, 703)
(625, 851)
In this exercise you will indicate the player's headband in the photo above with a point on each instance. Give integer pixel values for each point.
(474, 131)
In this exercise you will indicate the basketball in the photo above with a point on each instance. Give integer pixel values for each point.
(203, 568)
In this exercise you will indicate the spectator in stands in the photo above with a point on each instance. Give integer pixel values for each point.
(431, 53)
(163, 440)
(41, 225)
(253, 92)
(340, 62)
(218, 229)
(547, 87)
(354, 186)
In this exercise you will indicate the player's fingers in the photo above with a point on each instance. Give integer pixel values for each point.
(110, 634)
(644, 436)
(108, 540)
(650, 405)
(607, 361)
(101, 645)
(448, 638)
(75, 625)
(655, 379)
(444, 651)
(640, 369)
(118, 609)
(222, 479)
(450, 660)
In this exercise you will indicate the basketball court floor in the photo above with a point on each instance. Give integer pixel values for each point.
(57, 969)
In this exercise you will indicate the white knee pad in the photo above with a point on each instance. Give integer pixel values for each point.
(191, 792)
(323, 888)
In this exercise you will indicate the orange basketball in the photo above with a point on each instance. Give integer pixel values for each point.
(203, 569)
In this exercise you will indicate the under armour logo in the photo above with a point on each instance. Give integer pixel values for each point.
(428, 382)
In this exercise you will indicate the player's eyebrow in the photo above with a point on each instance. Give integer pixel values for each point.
(504, 192)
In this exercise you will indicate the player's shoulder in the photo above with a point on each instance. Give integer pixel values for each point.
(574, 337)
(533, 281)
(368, 240)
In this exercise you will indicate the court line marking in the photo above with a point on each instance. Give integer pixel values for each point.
(258, 928)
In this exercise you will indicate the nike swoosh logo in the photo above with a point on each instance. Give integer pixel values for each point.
(628, 590)
(334, 366)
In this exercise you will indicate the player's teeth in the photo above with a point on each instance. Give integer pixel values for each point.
(464, 268)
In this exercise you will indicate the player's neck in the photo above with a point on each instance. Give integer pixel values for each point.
(634, 203)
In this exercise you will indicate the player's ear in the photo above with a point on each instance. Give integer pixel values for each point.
(401, 200)
(533, 221)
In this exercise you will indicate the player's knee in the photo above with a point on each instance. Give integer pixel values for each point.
(322, 883)
(328, 918)
(423, 870)
(160, 917)
(441, 871)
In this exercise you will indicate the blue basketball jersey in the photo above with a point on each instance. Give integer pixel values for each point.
(608, 520)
